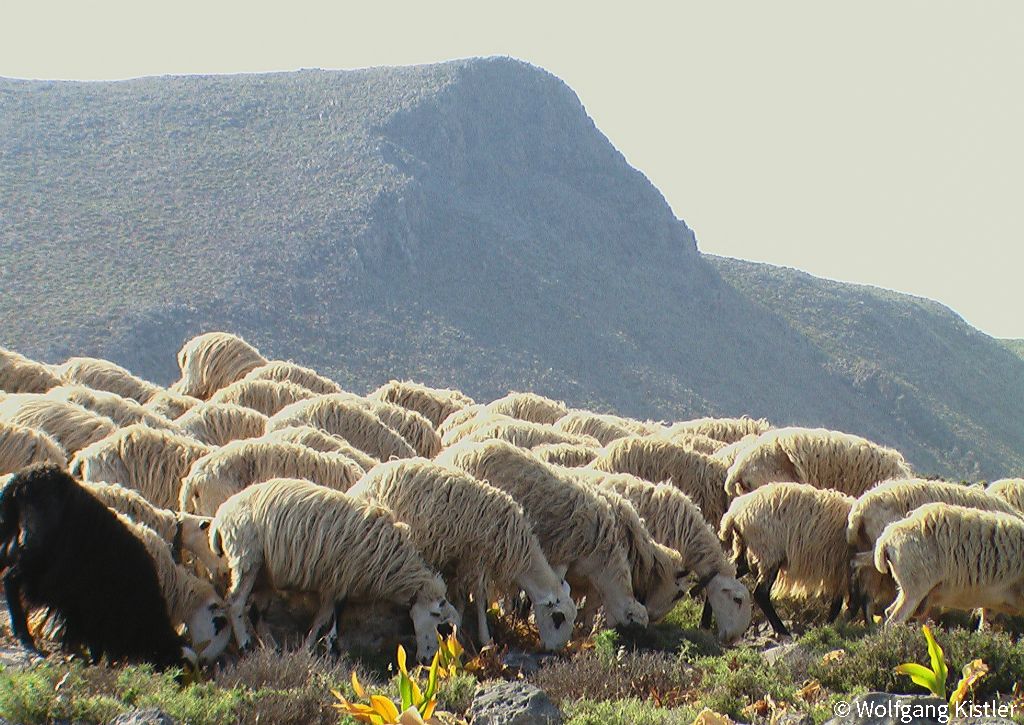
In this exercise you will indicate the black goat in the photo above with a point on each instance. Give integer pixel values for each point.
(63, 549)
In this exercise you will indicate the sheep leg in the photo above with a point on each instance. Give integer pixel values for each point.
(482, 630)
(705, 615)
(833, 611)
(238, 594)
(982, 620)
(16, 608)
(902, 609)
(763, 597)
(323, 614)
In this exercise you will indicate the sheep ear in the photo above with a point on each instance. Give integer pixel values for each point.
(204, 525)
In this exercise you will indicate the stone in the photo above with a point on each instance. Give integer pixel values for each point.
(150, 716)
(513, 703)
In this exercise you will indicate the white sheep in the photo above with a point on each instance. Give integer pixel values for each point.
(171, 405)
(99, 374)
(217, 424)
(951, 556)
(265, 396)
(605, 428)
(658, 460)
(434, 404)
(569, 455)
(308, 538)
(71, 425)
(283, 371)
(21, 446)
(524, 434)
(417, 431)
(477, 536)
(727, 430)
(231, 468)
(658, 576)
(892, 500)
(181, 531)
(1010, 490)
(795, 530)
(152, 462)
(456, 420)
(19, 374)
(728, 453)
(676, 522)
(320, 440)
(123, 411)
(529, 406)
(576, 527)
(191, 602)
(815, 456)
(212, 360)
(339, 414)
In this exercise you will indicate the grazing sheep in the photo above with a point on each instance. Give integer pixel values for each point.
(524, 434)
(217, 424)
(576, 527)
(815, 456)
(226, 471)
(727, 430)
(210, 361)
(477, 536)
(171, 405)
(152, 462)
(434, 404)
(728, 453)
(179, 530)
(318, 440)
(1010, 490)
(99, 374)
(676, 522)
(658, 575)
(951, 556)
(696, 441)
(123, 411)
(455, 421)
(892, 500)
(66, 551)
(472, 423)
(21, 446)
(658, 460)
(265, 396)
(795, 530)
(605, 428)
(308, 538)
(417, 431)
(18, 374)
(530, 407)
(282, 371)
(569, 455)
(340, 415)
(190, 602)
(71, 425)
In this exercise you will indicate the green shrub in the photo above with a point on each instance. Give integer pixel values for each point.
(625, 712)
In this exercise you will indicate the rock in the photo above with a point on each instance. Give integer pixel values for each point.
(151, 716)
(787, 653)
(513, 703)
(793, 718)
(527, 663)
(882, 708)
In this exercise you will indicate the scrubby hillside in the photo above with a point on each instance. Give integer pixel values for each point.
(465, 224)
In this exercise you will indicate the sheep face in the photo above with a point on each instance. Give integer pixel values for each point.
(730, 601)
(208, 629)
(195, 536)
(626, 612)
(555, 615)
(204, 496)
(758, 466)
(431, 617)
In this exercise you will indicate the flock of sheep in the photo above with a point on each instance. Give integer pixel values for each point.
(253, 483)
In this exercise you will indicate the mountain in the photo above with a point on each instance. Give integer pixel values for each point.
(463, 224)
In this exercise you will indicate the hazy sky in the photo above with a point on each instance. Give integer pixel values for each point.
(877, 142)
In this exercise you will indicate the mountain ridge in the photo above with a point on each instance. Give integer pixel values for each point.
(464, 223)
